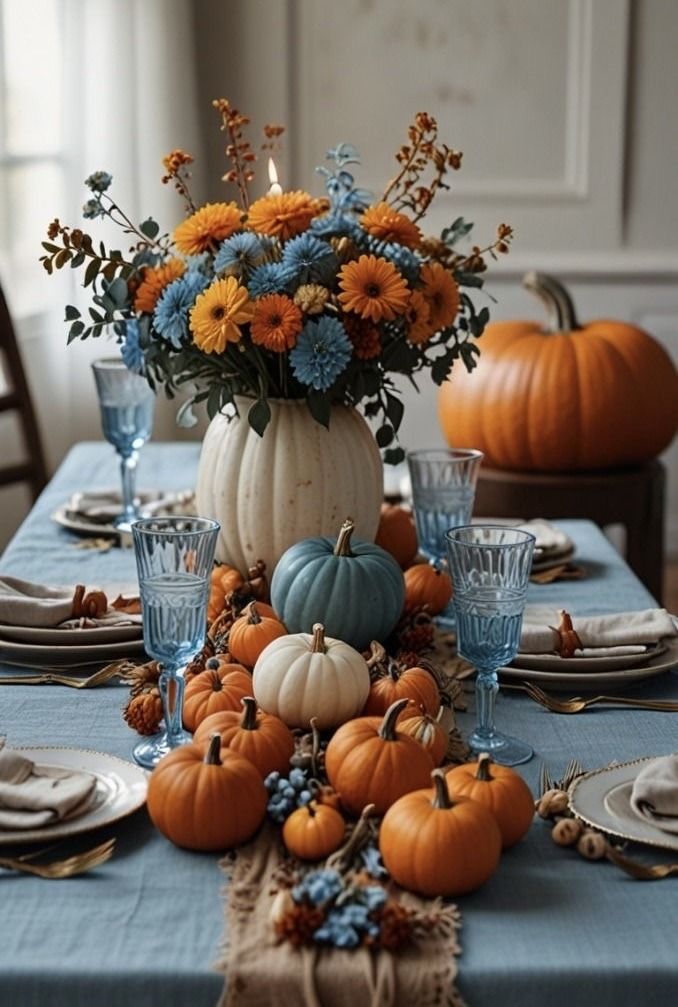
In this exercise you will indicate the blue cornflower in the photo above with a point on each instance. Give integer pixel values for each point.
(98, 181)
(334, 225)
(271, 278)
(170, 318)
(130, 350)
(309, 260)
(322, 352)
(93, 209)
(239, 255)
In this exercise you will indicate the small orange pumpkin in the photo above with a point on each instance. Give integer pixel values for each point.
(427, 585)
(397, 534)
(223, 580)
(369, 762)
(314, 831)
(219, 687)
(260, 737)
(252, 632)
(391, 683)
(204, 799)
(499, 789)
(437, 846)
(428, 731)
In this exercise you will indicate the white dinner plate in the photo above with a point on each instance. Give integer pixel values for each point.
(558, 679)
(602, 799)
(67, 655)
(53, 636)
(120, 790)
(564, 665)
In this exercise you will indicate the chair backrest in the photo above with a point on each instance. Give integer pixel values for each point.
(32, 471)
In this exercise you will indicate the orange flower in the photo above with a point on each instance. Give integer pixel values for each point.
(442, 293)
(276, 323)
(418, 317)
(217, 314)
(365, 337)
(283, 216)
(373, 288)
(387, 224)
(203, 229)
(155, 279)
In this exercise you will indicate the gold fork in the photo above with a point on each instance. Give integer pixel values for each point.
(54, 678)
(643, 872)
(579, 703)
(67, 868)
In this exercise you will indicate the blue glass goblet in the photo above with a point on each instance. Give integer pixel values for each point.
(443, 490)
(126, 402)
(175, 556)
(490, 567)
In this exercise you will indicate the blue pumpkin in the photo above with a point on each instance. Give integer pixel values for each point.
(356, 590)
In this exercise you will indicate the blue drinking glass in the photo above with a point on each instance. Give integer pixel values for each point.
(490, 568)
(175, 556)
(443, 490)
(126, 402)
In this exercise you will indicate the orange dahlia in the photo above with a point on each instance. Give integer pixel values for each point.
(203, 229)
(418, 317)
(365, 337)
(387, 224)
(373, 288)
(154, 281)
(217, 314)
(276, 323)
(284, 215)
(442, 293)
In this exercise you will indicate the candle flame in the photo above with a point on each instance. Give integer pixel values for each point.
(272, 173)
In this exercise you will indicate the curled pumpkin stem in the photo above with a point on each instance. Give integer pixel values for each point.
(342, 860)
(343, 546)
(566, 637)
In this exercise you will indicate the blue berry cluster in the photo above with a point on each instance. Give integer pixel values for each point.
(349, 910)
(286, 793)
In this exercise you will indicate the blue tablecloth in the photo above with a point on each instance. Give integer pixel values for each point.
(144, 928)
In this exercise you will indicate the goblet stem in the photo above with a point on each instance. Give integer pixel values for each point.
(487, 688)
(128, 471)
(171, 687)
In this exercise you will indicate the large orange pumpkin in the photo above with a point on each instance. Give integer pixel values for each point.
(260, 737)
(501, 790)
(562, 397)
(220, 686)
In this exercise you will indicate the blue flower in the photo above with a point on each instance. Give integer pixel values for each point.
(199, 264)
(93, 209)
(170, 318)
(334, 225)
(404, 259)
(130, 350)
(98, 181)
(322, 352)
(318, 887)
(239, 255)
(271, 278)
(375, 897)
(309, 260)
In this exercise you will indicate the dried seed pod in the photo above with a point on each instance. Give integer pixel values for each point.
(552, 803)
(143, 712)
(567, 831)
(592, 845)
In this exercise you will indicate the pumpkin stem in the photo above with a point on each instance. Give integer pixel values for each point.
(442, 795)
(343, 546)
(483, 772)
(249, 716)
(216, 681)
(253, 616)
(387, 729)
(377, 655)
(559, 305)
(393, 670)
(315, 748)
(318, 643)
(343, 858)
(310, 809)
(213, 753)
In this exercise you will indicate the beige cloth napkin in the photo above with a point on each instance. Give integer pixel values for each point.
(655, 793)
(34, 796)
(262, 973)
(600, 635)
(23, 603)
(550, 539)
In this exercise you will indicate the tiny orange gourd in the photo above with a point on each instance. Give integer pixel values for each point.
(206, 799)
(437, 846)
(498, 788)
(390, 682)
(219, 687)
(260, 737)
(314, 831)
(223, 580)
(251, 633)
(427, 585)
(428, 731)
(397, 534)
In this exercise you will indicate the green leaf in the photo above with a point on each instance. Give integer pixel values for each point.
(149, 229)
(384, 436)
(76, 329)
(62, 258)
(319, 407)
(258, 416)
(96, 316)
(71, 313)
(394, 456)
(394, 410)
(469, 279)
(77, 260)
(49, 247)
(91, 272)
(117, 291)
(442, 365)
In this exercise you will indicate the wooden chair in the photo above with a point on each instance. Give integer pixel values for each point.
(32, 471)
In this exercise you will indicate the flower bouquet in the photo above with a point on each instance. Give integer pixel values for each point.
(288, 296)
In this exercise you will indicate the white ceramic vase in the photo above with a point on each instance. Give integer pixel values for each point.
(296, 481)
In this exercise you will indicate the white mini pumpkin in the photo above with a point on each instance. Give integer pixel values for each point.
(306, 675)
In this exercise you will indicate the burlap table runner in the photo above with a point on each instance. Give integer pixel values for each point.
(263, 973)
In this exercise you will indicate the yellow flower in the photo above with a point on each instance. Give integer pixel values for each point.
(373, 288)
(206, 227)
(311, 298)
(217, 314)
(387, 224)
(276, 323)
(442, 293)
(284, 215)
(154, 281)
(418, 317)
